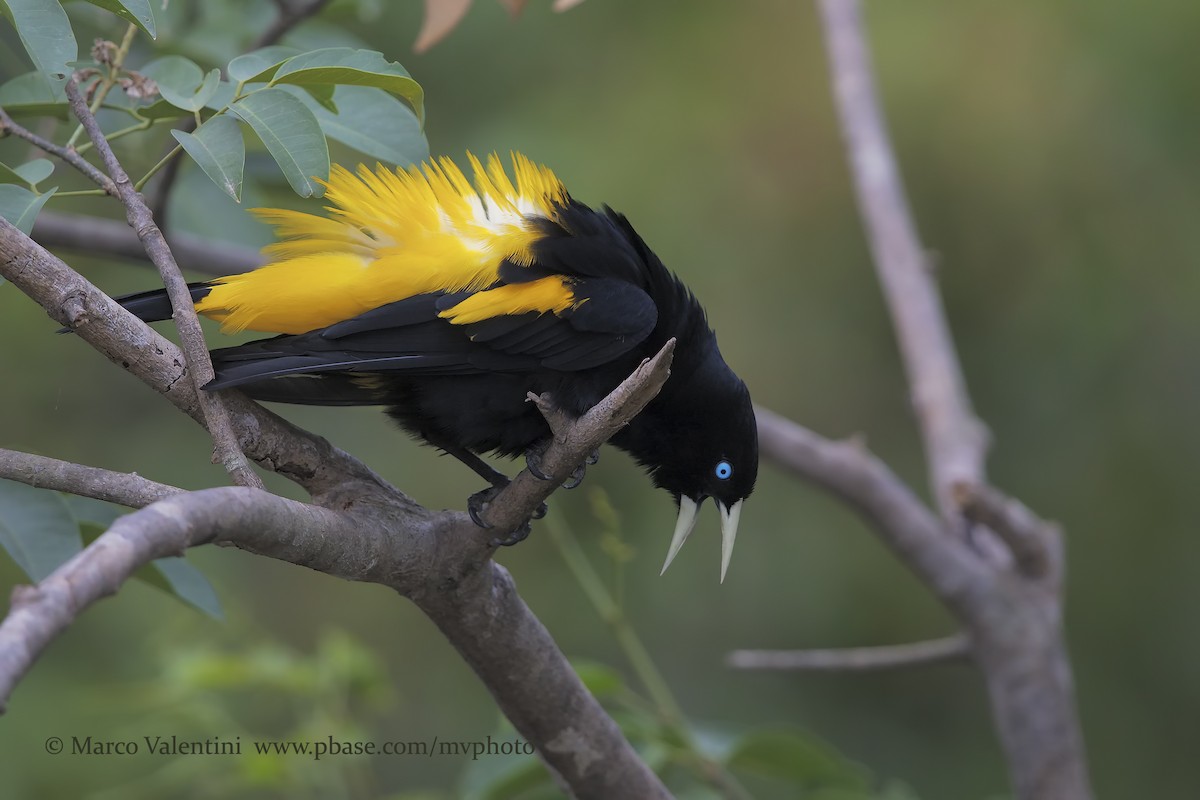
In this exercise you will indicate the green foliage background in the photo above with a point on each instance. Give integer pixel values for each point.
(1050, 154)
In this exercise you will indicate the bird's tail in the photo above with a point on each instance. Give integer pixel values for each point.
(154, 305)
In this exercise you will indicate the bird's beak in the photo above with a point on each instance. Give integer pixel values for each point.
(729, 526)
(687, 521)
(683, 526)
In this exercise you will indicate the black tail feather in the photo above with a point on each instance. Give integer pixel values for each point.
(154, 305)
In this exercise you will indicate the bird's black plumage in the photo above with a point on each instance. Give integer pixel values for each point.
(463, 387)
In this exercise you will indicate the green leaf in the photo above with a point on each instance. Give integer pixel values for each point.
(182, 83)
(189, 585)
(36, 527)
(89, 511)
(46, 33)
(35, 171)
(375, 124)
(31, 95)
(136, 11)
(21, 206)
(260, 65)
(28, 174)
(218, 148)
(796, 759)
(292, 137)
(349, 67)
(600, 679)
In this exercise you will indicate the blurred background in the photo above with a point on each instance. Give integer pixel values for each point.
(1049, 150)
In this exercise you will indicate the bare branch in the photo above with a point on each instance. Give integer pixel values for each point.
(166, 528)
(93, 235)
(855, 659)
(216, 416)
(946, 565)
(67, 154)
(125, 488)
(574, 440)
(1034, 543)
(955, 440)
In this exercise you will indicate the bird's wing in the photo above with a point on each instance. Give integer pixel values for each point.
(453, 334)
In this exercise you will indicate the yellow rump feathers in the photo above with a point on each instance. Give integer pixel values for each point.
(391, 235)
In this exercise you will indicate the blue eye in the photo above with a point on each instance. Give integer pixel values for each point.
(724, 470)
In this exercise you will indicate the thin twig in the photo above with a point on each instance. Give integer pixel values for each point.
(227, 450)
(1032, 541)
(125, 488)
(67, 154)
(855, 659)
(955, 440)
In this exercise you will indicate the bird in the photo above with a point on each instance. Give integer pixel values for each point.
(447, 300)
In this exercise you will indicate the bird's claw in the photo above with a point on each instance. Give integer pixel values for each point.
(533, 462)
(516, 537)
(477, 502)
(593, 457)
(576, 477)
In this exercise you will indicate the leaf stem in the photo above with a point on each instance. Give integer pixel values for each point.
(639, 658)
(176, 150)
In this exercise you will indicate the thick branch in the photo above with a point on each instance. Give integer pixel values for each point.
(92, 235)
(125, 488)
(855, 659)
(167, 528)
(199, 367)
(955, 440)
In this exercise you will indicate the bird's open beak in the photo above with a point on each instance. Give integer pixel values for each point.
(687, 520)
(729, 526)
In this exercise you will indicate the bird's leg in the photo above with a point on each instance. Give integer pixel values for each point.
(478, 501)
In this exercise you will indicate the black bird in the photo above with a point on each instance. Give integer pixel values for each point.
(447, 303)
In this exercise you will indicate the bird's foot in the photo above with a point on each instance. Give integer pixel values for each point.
(478, 502)
(516, 537)
(576, 477)
(533, 461)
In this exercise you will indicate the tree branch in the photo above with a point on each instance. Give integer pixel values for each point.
(125, 488)
(947, 565)
(574, 440)
(1035, 544)
(67, 154)
(855, 659)
(955, 440)
(1014, 620)
(216, 416)
(92, 235)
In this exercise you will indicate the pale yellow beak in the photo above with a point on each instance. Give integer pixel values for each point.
(687, 520)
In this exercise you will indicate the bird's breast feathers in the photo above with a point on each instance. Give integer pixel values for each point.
(395, 234)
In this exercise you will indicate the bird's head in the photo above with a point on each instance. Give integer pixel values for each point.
(707, 447)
